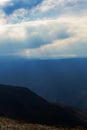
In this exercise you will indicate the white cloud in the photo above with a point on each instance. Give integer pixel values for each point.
(48, 9)
(3, 2)
(74, 45)
(47, 5)
(34, 33)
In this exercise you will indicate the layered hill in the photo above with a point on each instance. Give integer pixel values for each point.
(22, 104)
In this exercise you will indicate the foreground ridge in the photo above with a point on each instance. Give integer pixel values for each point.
(8, 124)
(24, 105)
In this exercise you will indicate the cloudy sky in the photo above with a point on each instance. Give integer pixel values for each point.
(43, 28)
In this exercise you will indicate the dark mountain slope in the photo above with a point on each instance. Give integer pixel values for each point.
(22, 104)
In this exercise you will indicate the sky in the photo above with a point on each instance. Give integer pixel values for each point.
(43, 28)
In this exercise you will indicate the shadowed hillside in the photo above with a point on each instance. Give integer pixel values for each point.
(22, 104)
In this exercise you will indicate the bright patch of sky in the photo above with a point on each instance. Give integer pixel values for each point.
(43, 28)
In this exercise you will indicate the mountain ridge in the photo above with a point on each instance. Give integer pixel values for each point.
(22, 104)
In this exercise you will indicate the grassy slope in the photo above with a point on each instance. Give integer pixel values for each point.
(8, 124)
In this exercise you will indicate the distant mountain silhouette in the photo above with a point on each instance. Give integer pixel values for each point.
(60, 80)
(22, 104)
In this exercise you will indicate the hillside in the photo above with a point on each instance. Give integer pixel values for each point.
(22, 104)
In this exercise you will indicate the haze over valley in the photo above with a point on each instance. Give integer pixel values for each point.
(59, 80)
